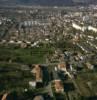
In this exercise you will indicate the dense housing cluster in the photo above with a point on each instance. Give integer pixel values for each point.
(48, 53)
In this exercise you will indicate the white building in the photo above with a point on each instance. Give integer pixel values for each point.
(90, 28)
(76, 26)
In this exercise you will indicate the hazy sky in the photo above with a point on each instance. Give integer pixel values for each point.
(82, 0)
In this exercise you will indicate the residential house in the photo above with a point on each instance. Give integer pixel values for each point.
(37, 71)
(58, 86)
(62, 66)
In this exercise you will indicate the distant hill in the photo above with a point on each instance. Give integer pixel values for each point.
(47, 2)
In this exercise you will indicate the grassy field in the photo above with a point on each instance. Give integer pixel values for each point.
(87, 83)
(13, 77)
(24, 56)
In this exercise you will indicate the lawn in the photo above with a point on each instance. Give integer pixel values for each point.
(25, 56)
(87, 83)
